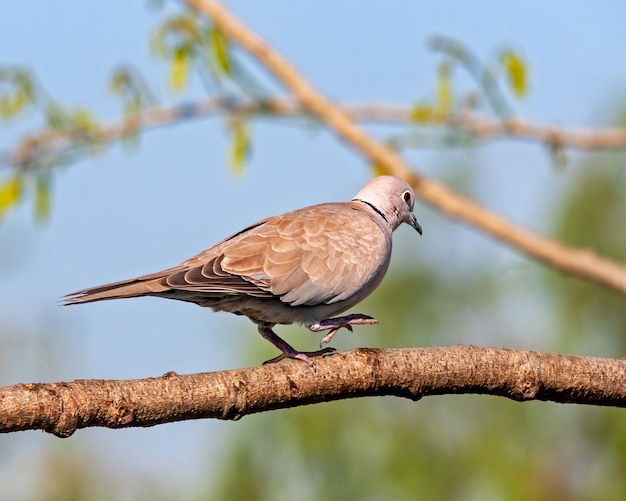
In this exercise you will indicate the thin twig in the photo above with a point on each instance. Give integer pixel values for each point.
(484, 128)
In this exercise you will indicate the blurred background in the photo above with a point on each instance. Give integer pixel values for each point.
(155, 200)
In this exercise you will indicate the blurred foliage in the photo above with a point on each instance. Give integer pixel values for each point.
(42, 198)
(487, 76)
(10, 191)
(444, 88)
(220, 47)
(128, 83)
(17, 92)
(192, 47)
(436, 112)
(425, 113)
(187, 40)
(240, 145)
(516, 72)
(593, 215)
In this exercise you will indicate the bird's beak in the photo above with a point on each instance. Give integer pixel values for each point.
(413, 222)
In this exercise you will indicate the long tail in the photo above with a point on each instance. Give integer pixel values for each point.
(141, 286)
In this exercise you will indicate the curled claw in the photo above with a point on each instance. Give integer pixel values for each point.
(326, 339)
(288, 351)
(334, 324)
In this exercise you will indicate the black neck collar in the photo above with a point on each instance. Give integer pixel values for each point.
(376, 209)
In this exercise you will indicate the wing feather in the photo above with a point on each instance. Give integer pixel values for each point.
(317, 255)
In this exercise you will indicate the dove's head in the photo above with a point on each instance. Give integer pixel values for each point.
(392, 198)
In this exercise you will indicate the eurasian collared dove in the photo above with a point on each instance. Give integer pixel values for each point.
(303, 266)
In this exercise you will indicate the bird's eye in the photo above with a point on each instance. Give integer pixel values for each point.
(406, 196)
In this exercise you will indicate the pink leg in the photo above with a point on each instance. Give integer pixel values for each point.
(287, 350)
(334, 324)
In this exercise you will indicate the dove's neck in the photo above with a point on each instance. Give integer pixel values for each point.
(388, 216)
(374, 208)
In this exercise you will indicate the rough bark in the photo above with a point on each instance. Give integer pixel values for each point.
(62, 408)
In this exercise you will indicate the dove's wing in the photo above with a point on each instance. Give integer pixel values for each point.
(316, 255)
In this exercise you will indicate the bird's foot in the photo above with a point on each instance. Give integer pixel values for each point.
(334, 324)
(287, 350)
(305, 356)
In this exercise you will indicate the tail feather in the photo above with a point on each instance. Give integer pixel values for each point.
(117, 290)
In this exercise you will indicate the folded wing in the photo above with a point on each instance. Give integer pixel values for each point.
(317, 255)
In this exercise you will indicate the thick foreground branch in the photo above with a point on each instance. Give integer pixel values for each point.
(63, 408)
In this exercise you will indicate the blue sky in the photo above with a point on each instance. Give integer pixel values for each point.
(127, 213)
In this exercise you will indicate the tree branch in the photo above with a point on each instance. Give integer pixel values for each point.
(51, 143)
(572, 137)
(63, 408)
(580, 263)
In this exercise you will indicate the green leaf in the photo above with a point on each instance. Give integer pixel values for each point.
(20, 94)
(240, 146)
(10, 192)
(56, 116)
(7, 107)
(12, 104)
(219, 44)
(444, 88)
(378, 169)
(516, 72)
(157, 43)
(42, 198)
(24, 83)
(130, 86)
(175, 33)
(120, 80)
(179, 69)
(422, 113)
(84, 120)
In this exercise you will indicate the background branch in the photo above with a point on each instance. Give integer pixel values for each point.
(580, 263)
(63, 408)
(51, 143)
